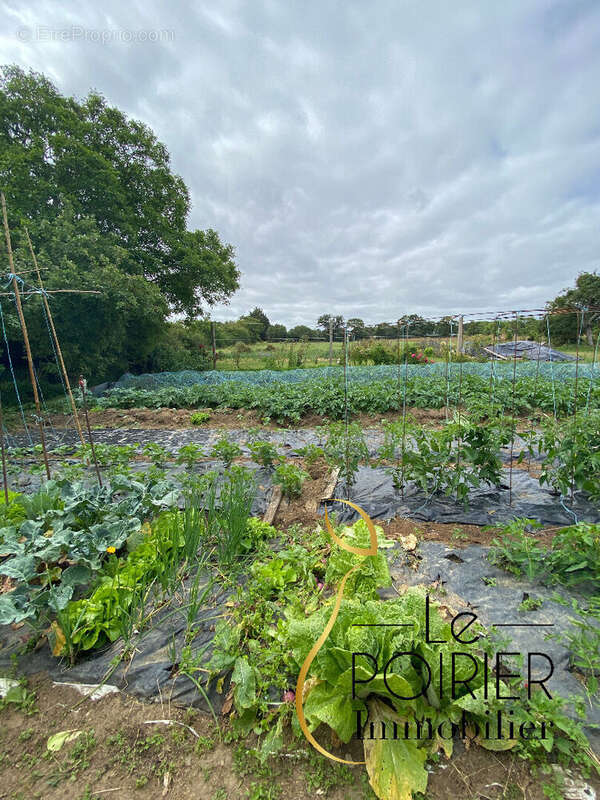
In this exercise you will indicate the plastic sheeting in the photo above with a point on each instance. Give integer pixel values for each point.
(488, 505)
(495, 596)
(373, 489)
(533, 351)
(152, 670)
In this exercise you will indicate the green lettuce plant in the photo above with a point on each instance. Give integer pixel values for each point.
(374, 571)
(290, 477)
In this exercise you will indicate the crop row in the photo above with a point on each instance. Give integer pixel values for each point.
(290, 401)
(557, 372)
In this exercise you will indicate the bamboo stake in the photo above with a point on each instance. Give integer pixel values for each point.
(56, 342)
(4, 474)
(214, 345)
(59, 291)
(83, 387)
(25, 335)
(27, 271)
(578, 331)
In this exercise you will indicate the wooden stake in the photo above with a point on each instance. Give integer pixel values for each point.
(214, 346)
(82, 386)
(56, 342)
(578, 335)
(331, 484)
(269, 514)
(512, 412)
(460, 335)
(330, 342)
(60, 291)
(25, 335)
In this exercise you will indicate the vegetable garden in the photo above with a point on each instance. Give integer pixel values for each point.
(159, 561)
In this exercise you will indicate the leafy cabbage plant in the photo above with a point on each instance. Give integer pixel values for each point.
(374, 571)
(372, 628)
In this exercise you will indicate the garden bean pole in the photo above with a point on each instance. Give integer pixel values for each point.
(460, 335)
(589, 392)
(551, 366)
(56, 342)
(214, 346)
(406, 324)
(513, 426)
(493, 360)
(83, 387)
(330, 341)
(398, 390)
(460, 439)
(448, 362)
(447, 378)
(535, 385)
(346, 404)
(578, 332)
(25, 334)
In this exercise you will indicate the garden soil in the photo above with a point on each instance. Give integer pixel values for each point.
(122, 756)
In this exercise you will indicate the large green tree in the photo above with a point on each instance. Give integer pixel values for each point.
(276, 332)
(101, 335)
(300, 332)
(56, 151)
(357, 328)
(258, 322)
(585, 297)
(104, 211)
(338, 323)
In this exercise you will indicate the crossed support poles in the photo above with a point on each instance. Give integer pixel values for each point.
(16, 294)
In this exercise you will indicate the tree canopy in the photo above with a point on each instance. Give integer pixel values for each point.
(585, 295)
(105, 211)
(58, 153)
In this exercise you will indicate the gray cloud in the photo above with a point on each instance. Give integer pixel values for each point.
(364, 159)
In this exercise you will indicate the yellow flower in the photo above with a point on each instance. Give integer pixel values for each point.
(111, 549)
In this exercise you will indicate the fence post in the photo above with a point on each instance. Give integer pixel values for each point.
(214, 345)
(459, 338)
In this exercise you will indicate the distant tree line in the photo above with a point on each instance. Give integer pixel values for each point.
(105, 211)
(563, 328)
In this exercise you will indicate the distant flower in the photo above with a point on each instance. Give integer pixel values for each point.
(319, 585)
(111, 549)
(289, 696)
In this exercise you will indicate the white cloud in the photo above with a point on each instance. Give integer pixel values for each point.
(369, 160)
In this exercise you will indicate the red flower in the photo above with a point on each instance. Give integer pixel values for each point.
(289, 696)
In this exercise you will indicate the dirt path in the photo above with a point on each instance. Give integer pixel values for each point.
(118, 755)
(180, 418)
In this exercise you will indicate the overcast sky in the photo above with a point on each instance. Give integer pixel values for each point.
(367, 159)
